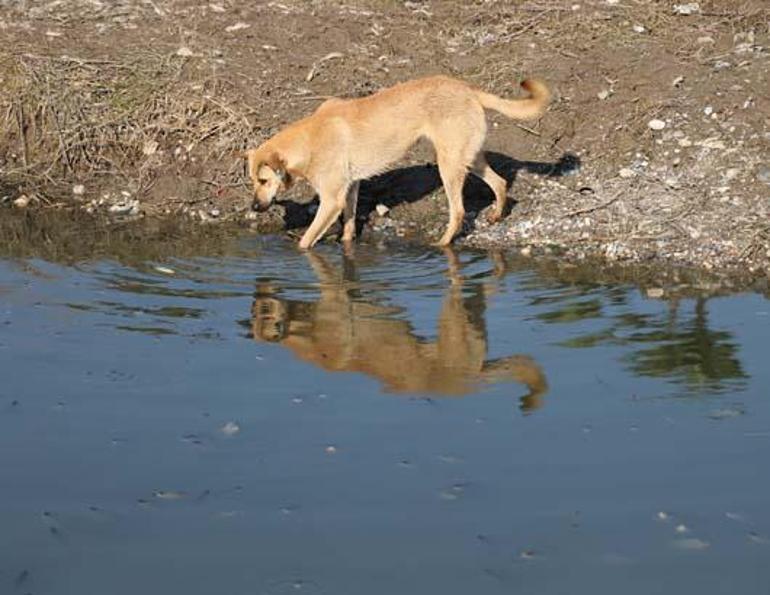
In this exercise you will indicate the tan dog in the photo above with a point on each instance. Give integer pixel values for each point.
(347, 140)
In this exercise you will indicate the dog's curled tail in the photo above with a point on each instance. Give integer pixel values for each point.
(519, 109)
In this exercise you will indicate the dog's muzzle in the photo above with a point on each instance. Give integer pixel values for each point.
(260, 207)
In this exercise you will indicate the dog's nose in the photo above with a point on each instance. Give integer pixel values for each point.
(259, 207)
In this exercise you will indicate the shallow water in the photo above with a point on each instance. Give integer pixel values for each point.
(254, 420)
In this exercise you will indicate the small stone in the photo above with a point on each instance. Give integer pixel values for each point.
(708, 110)
(638, 29)
(237, 27)
(215, 212)
(78, 189)
(150, 147)
(382, 209)
(230, 428)
(603, 94)
(705, 39)
(684, 142)
(184, 52)
(526, 251)
(677, 81)
(686, 9)
(21, 202)
(656, 124)
(626, 173)
(655, 292)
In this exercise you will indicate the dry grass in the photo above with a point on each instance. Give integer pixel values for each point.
(65, 119)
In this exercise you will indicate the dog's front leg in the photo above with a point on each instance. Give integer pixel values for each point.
(349, 214)
(332, 203)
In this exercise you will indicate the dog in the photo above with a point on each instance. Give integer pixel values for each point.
(348, 140)
(346, 330)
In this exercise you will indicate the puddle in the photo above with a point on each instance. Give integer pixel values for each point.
(220, 413)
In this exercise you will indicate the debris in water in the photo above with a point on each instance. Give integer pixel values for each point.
(757, 538)
(726, 413)
(165, 270)
(169, 495)
(682, 528)
(230, 428)
(331, 449)
(662, 516)
(692, 543)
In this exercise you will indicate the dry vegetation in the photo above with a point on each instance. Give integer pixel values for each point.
(136, 107)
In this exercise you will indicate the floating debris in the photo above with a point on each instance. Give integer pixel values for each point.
(757, 538)
(331, 449)
(169, 495)
(230, 428)
(663, 516)
(165, 270)
(726, 413)
(682, 528)
(691, 543)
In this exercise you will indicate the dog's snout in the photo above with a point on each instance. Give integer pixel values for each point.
(259, 207)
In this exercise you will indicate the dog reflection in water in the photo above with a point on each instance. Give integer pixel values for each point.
(346, 330)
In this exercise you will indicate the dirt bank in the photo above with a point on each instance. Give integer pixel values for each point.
(655, 150)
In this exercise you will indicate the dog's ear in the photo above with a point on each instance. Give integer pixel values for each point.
(278, 164)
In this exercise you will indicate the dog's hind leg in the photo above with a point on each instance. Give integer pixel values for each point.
(481, 169)
(453, 172)
(349, 214)
(332, 204)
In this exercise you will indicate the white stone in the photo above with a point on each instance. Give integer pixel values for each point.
(382, 210)
(656, 124)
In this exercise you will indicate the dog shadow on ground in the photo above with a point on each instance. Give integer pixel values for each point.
(410, 184)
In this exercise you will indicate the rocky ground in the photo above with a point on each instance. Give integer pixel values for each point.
(655, 150)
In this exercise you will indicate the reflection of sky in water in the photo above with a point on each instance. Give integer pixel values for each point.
(267, 422)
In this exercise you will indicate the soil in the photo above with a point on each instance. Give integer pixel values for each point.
(655, 150)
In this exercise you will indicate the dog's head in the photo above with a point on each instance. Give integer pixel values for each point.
(269, 319)
(268, 174)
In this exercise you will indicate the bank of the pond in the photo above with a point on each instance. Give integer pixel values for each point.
(655, 150)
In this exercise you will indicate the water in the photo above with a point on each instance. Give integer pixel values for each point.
(232, 416)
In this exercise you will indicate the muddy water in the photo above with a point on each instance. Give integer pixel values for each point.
(227, 415)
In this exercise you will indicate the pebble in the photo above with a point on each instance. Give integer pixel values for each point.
(184, 52)
(763, 174)
(603, 94)
(627, 173)
(237, 27)
(686, 9)
(677, 81)
(382, 210)
(78, 189)
(656, 124)
(21, 202)
(708, 110)
(638, 29)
